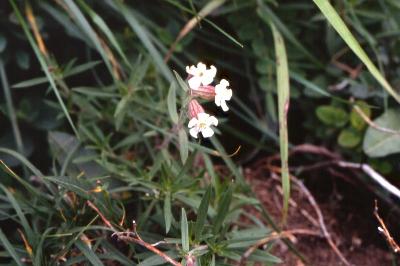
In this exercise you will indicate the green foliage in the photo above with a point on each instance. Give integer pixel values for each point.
(101, 117)
(332, 116)
(378, 143)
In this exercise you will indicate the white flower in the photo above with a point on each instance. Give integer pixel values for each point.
(200, 75)
(202, 124)
(222, 94)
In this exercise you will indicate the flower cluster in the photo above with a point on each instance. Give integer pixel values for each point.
(200, 81)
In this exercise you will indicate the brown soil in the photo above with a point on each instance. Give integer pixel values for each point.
(348, 215)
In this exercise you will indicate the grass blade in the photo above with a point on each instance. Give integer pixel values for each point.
(282, 79)
(105, 29)
(338, 24)
(267, 15)
(43, 64)
(85, 26)
(22, 219)
(144, 37)
(10, 249)
(89, 254)
(10, 109)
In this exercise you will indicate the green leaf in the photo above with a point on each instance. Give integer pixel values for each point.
(338, 24)
(283, 86)
(332, 116)
(68, 72)
(356, 120)
(268, 16)
(22, 219)
(183, 145)
(167, 212)
(202, 214)
(349, 138)
(378, 143)
(184, 232)
(89, 31)
(181, 83)
(98, 20)
(44, 65)
(10, 249)
(263, 256)
(10, 108)
(89, 253)
(171, 103)
(157, 260)
(223, 209)
(145, 37)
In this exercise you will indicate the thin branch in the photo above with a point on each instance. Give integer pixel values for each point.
(107, 222)
(383, 229)
(320, 219)
(372, 124)
(133, 236)
(373, 174)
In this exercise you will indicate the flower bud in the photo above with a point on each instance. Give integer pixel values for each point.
(205, 92)
(194, 108)
(191, 260)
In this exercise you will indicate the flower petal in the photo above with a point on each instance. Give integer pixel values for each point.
(224, 82)
(224, 106)
(217, 99)
(207, 79)
(194, 132)
(228, 94)
(209, 76)
(212, 120)
(203, 117)
(201, 67)
(193, 122)
(207, 132)
(194, 82)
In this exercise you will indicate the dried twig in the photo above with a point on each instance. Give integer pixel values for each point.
(322, 225)
(273, 236)
(353, 72)
(383, 229)
(107, 222)
(336, 159)
(133, 236)
(36, 32)
(373, 174)
(372, 124)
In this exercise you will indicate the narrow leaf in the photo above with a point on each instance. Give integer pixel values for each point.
(43, 64)
(183, 145)
(181, 83)
(89, 254)
(167, 212)
(282, 78)
(338, 24)
(223, 209)
(202, 213)
(10, 249)
(171, 103)
(184, 232)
